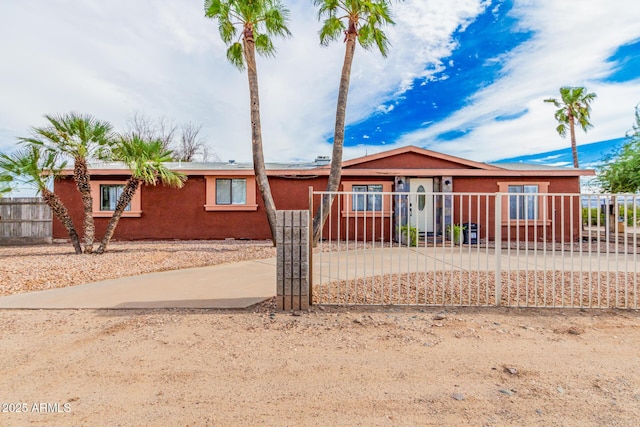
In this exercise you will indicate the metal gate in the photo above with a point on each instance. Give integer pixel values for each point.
(519, 249)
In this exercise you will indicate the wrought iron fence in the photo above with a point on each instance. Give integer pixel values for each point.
(520, 249)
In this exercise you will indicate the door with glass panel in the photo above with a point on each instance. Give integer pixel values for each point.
(421, 204)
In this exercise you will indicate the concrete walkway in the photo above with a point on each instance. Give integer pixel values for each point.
(347, 265)
(237, 285)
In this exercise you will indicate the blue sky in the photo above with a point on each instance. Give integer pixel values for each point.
(464, 77)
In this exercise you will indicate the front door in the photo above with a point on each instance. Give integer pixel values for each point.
(421, 204)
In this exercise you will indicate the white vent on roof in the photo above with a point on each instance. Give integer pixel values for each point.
(322, 160)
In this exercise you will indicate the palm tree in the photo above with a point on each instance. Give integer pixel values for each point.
(81, 137)
(361, 21)
(247, 27)
(145, 159)
(573, 106)
(36, 166)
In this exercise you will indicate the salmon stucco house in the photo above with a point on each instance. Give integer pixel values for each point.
(220, 200)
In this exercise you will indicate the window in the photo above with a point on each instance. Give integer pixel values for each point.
(422, 200)
(363, 198)
(105, 195)
(523, 205)
(367, 202)
(109, 195)
(231, 191)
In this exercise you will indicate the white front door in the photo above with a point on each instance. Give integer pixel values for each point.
(421, 206)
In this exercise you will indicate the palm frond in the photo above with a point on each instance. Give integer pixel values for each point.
(264, 46)
(32, 165)
(147, 159)
(266, 18)
(332, 30)
(235, 55)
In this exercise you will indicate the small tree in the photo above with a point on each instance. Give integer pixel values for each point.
(81, 137)
(184, 141)
(573, 106)
(149, 129)
(190, 145)
(145, 159)
(36, 166)
(621, 173)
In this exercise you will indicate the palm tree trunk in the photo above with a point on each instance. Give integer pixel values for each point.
(125, 198)
(60, 211)
(574, 147)
(81, 177)
(335, 173)
(256, 133)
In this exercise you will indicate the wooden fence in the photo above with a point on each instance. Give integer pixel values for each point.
(25, 220)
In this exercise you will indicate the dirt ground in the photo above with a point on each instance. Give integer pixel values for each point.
(330, 366)
(383, 366)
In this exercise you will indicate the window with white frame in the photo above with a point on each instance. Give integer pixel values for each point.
(231, 191)
(523, 203)
(366, 202)
(109, 195)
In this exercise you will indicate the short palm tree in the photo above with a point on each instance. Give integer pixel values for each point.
(146, 160)
(573, 106)
(359, 21)
(81, 137)
(247, 27)
(36, 166)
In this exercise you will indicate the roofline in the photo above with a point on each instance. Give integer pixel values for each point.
(436, 172)
(362, 172)
(423, 151)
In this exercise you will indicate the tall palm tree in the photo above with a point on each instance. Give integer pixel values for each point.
(36, 166)
(247, 27)
(359, 21)
(81, 137)
(573, 106)
(145, 159)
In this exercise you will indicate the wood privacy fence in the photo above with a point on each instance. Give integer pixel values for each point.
(25, 220)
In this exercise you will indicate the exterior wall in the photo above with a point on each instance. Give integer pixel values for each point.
(169, 213)
(180, 213)
(558, 209)
(410, 161)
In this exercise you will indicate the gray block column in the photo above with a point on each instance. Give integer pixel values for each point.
(292, 241)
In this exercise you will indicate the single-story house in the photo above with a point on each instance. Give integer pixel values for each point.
(220, 200)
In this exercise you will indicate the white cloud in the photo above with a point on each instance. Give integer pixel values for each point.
(559, 54)
(111, 58)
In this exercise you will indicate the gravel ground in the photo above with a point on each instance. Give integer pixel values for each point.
(34, 268)
(366, 366)
(519, 288)
(330, 366)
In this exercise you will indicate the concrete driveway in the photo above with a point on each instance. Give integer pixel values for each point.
(236, 285)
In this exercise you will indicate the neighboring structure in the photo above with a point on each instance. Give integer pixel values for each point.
(221, 200)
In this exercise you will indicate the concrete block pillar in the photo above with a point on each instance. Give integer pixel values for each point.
(292, 241)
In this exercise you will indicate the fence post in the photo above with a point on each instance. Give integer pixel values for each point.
(292, 241)
(310, 245)
(498, 247)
